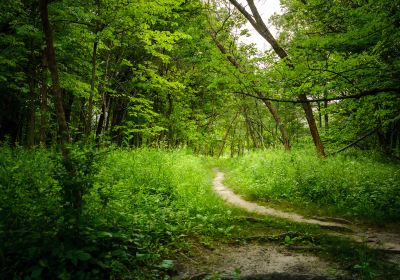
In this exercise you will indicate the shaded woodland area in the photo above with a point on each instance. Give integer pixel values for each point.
(113, 112)
(149, 74)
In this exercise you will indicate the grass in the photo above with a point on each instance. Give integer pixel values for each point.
(142, 208)
(349, 185)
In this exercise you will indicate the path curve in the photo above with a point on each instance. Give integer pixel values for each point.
(237, 200)
(388, 242)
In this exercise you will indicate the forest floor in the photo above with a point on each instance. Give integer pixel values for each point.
(266, 260)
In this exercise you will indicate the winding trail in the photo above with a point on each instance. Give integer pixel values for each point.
(387, 242)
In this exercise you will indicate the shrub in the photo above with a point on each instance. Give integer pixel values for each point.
(137, 206)
(353, 184)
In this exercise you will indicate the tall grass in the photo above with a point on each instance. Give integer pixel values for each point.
(138, 205)
(351, 184)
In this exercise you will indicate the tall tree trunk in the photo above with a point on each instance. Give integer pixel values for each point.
(326, 116)
(104, 100)
(312, 125)
(92, 90)
(109, 105)
(82, 117)
(233, 143)
(100, 124)
(72, 191)
(259, 25)
(32, 119)
(319, 114)
(51, 59)
(250, 131)
(68, 101)
(221, 150)
(170, 109)
(43, 101)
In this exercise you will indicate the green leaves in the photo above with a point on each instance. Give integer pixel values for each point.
(77, 255)
(166, 264)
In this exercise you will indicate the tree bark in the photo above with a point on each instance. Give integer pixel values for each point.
(104, 100)
(170, 109)
(51, 58)
(257, 22)
(92, 89)
(221, 150)
(102, 116)
(32, 119)
(312, 125)
(250, 131)
(319, 115)
(43, 102)
(73, 192)
(326, 116)
(68, 101)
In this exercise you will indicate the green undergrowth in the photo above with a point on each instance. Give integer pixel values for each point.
(141, 210)
(139, 207)
(354, 185)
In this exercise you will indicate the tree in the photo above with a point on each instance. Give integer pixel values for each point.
(349, 52)
(52, 64)
(268, 104)
(259, 25)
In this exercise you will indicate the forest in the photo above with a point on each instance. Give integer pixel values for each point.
(147, 139)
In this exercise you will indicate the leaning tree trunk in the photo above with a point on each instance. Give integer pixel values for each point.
(279, 123)
(268, 104)
(312, 125)
(259, 25)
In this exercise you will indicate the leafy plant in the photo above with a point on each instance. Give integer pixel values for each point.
(352, 184)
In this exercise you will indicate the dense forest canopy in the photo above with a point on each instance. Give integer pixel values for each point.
(152, 73)
(113, 113)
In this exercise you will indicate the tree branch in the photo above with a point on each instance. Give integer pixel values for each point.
(75, 22)
(243, 11)
(354, 142)
(354, 96)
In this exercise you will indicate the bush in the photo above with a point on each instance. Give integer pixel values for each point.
(137, 206)
(352, 184)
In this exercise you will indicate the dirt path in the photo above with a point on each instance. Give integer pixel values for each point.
(235, 199)
(374, 238)
(255, 261)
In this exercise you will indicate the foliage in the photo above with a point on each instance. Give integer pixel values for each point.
(346, 48)
(148, 74)
(137, 208)
(352, 184)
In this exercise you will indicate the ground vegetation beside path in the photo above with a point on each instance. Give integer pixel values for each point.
(260, 258)
(153, 214)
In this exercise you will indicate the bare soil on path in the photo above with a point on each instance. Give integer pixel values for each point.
(255, 260)
(238, 201)
(374, 238)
